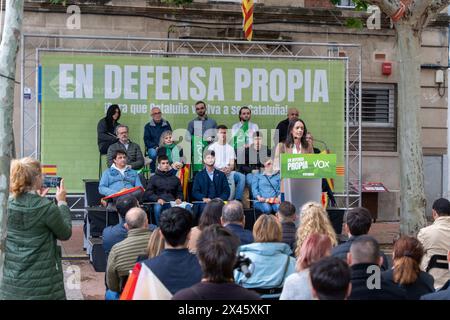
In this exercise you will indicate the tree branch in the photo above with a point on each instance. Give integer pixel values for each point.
(389, 7)
(437, 6)
(419, 7)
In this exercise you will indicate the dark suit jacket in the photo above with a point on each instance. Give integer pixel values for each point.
(245, 236)
(423, 285)
(201, 184)
(360, 290)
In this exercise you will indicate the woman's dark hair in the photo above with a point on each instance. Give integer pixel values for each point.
(216, 252)
(290, 137)
(109, 116)
(211, 214)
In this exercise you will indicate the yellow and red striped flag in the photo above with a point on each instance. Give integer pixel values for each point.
(247, 13)
(49, 169)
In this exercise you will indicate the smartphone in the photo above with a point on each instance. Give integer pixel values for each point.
(51, 182)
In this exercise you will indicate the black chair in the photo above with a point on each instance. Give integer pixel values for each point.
(336, 218)
(99, 217)
(437, 261)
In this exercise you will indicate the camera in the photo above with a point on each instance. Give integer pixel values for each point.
(244, 265)
(51, 182)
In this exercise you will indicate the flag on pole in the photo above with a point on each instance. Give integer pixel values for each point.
(247, 13)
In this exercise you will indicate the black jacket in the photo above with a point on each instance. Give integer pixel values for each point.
(105, 137)
(423, 285)
(341, 252)
(201, 185)
(163, 185)
(249, 158)
(360, 289)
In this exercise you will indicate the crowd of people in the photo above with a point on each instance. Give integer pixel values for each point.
(224, 162)
(206, 252)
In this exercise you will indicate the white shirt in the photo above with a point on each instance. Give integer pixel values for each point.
(122, 171)
(295, 151)
(252, 128)
(224, 154)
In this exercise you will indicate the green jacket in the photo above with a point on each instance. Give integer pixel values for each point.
(32, 268)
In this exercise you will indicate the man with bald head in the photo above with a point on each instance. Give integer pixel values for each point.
(282, 127)
(124, 254)
(233, 219)
(152, 134)
(367, 283)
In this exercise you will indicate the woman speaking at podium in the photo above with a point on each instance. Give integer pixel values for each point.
(295, 143)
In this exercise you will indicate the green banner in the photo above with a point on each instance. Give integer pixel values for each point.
(77, 89)
(308, 166)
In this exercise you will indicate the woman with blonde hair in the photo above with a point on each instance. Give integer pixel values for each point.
(155, 244)
(168, 148)
(297, 285)
(407, 256)
(270, 257)
(313, 219)
(32, 266)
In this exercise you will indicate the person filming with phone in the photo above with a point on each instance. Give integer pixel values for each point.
(32, 265)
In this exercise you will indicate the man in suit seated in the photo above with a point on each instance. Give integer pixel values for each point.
(209, 183)
(233, 219)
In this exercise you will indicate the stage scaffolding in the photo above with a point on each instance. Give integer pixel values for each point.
(32, 45)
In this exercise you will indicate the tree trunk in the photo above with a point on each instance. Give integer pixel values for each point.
(412, 208)
(8, 52)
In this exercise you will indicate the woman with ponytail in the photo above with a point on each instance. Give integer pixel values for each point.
(32, 266)
(407, 255)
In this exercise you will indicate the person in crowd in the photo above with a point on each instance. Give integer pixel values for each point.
(325, 185)
(154, 247)
(287, 217)
(174, 152)
(295, 142)
(357, 223)
(217, 248)
(314, 219)
(365, 261)
(225, 158)
(133, 150)
(119, 176)
(297, 285)
(152, 134)
(124, 254)
(106, 129)
(201, 131)
(406, 273)
(175, 267)
(251, 159)
(209, 184)
(436, 240)
(330, 279)
(282, 127)
(117, 233)
(32, 267)
(163, 187)
(243, 131)
(233, 218)
(441, 294)
(271, 259)
(266, 189)
(211, 215)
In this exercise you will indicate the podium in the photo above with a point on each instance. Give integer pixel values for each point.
(302, 176)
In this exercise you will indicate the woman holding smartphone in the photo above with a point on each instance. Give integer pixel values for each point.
(32, 266)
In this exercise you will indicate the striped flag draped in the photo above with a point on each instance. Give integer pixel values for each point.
(247, 12)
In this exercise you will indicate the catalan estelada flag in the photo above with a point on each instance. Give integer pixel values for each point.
(247, 13)
(49, 169)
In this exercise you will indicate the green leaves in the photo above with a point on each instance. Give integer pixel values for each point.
(360, 5)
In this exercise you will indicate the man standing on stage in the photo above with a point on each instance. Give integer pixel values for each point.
(282, 126)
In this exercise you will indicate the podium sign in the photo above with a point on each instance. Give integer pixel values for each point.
(308, 166)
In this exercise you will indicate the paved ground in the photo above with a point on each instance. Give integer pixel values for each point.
(83, 282)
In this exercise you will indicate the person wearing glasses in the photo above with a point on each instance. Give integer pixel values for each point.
(201, 132)
(152, 134)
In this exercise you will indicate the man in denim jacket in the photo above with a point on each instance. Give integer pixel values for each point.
(119, 176)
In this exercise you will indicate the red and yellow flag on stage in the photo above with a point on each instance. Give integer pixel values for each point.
(247, 13)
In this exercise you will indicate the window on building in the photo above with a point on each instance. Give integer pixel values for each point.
(346, 4)
(378, 119)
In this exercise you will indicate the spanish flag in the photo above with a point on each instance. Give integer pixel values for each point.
(49, 169)
(247, 13)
